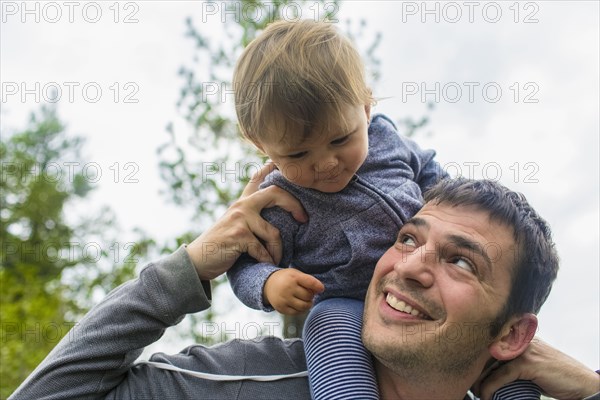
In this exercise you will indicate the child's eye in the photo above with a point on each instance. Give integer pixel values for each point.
(341, 140)
(297, 155)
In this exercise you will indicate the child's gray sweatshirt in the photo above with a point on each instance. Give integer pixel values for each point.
(347, 231)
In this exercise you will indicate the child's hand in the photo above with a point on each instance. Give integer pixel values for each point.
(290, 291)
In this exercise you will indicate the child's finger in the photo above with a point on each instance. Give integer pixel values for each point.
(311, 283)
(299, 305)
(293, 308)
(304, 294)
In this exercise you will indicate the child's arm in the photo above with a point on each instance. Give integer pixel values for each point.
(290, 291)
(248, 277)
(427, 171)
(413, 162)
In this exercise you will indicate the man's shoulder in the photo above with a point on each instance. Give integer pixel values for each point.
(263, 355)
(260, 344)
(271, 347)
(226, 370)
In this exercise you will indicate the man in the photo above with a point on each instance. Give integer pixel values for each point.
(472, 266)
(455, 265)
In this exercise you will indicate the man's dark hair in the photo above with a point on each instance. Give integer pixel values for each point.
(536, 264)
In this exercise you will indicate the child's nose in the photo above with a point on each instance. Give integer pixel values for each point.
(326, 163)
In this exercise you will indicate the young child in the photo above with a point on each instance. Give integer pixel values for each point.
(301, 98)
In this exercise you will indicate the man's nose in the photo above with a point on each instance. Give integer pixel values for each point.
(417, 267)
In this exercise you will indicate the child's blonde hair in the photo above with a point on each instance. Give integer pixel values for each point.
(296, 75)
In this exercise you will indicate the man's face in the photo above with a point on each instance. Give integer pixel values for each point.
(435, 292)
(328, 159)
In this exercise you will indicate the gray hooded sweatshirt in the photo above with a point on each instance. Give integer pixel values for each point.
(348, 231)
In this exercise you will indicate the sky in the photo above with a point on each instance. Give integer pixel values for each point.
(514, 88)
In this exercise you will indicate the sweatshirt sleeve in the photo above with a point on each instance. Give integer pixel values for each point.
(426, 171)
(247, 276)
(99, 351)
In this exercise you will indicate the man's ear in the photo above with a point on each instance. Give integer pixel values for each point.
(514, 337)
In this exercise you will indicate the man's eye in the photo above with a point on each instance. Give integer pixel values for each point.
(407, 240)
(297, 155)
(463, 263)
(341, 140)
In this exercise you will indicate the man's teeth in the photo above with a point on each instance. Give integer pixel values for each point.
(401, 306)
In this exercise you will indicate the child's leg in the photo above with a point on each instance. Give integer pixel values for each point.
(521, 390)
(339, 366)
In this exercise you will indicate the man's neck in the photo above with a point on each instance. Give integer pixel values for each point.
(412, 385)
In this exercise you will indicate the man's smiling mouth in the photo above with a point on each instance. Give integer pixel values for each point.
(400, 305)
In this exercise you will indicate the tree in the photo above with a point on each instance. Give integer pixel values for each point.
(209, 168)
(40, 247)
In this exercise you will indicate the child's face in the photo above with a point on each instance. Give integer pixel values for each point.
(326, 161)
